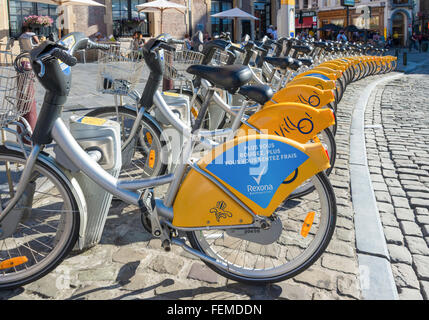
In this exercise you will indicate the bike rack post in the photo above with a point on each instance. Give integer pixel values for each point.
(404, 59)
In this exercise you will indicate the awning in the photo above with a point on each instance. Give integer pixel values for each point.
(307, 22)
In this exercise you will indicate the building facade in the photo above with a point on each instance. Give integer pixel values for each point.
(306, 16)
(390, 18)
(120, 18)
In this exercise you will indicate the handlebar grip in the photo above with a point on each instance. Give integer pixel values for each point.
(175, 41)
(167, 47)
(237, 49)
(64, 56)
(260, 49)
(94, 45)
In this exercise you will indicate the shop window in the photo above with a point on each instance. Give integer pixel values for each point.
(18, 10)
(127, 20)
(221, 25)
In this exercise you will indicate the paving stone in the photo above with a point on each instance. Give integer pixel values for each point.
(417, 202)
(348, 286)
(383, 196)
(417, 245)
(294, 292)
(344, 234)
(339, 263)
(422, 220)
(421, 211)
(393, 183)
(203, 273)
(410, 294)
(47, 287)
(410, 228)
(164, 264)
(397, 192)
(379, 186)
(317, 278)
(125, 255)
(421, 195)
(107, 273)
(399, 254)
(393, 235)
(341, 248)
(388, 219)
(421, 264)
(424, 285)
(385, 207)
(399, 202)
(404, 214)
(405, 276)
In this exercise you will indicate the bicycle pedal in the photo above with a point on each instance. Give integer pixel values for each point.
(147, 202)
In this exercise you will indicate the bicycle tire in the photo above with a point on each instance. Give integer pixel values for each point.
(326, 189)
(65, 245)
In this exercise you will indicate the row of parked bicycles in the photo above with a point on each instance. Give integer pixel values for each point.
(243, 135)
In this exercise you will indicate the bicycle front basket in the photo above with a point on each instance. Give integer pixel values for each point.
(17, 89)
(177, 62)
(119, 70)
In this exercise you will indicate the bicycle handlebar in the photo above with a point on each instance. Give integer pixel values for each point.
(64, 56)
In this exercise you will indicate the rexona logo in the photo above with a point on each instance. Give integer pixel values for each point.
(260, 188)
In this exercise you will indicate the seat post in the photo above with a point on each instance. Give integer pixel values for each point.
(202, 112)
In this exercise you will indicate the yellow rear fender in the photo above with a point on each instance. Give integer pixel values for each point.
(316, 73)
(308, 95)
(313, 82)
(294, 121)
(334, 66)
(260, 170)
(337, 74)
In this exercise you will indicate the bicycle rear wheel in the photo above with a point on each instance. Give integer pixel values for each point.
(147, 159)
(42, 228)
(282, 256)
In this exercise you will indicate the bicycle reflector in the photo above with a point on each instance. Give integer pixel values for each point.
(308, 222)
(327, 153)
(13, 262)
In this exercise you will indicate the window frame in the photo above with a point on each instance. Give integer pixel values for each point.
(120, 27)
(35, 8)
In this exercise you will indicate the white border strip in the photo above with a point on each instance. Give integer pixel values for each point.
(376, 276)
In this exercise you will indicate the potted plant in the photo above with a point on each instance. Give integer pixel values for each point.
(36, 22)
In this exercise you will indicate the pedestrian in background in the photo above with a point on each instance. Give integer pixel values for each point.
(413, 41)
(188, 42)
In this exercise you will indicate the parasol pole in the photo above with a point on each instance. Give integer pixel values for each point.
(162, 13)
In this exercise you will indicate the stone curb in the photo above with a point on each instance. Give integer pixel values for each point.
(376, 276)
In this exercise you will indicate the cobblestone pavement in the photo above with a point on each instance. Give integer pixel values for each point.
(129, 263)
(397, 140)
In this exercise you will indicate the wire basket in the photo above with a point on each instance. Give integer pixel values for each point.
(119, 70)
(220, 58)
(17, 89)
(177, 62)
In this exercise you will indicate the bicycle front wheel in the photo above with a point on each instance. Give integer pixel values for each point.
(282, 256)
(42, 228)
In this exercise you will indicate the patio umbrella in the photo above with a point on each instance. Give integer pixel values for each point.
(330, 27)
(235, 14)
(69, 3)
(160, 6)
(352, 28)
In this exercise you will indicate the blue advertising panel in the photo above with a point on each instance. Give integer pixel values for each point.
(348, 3)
